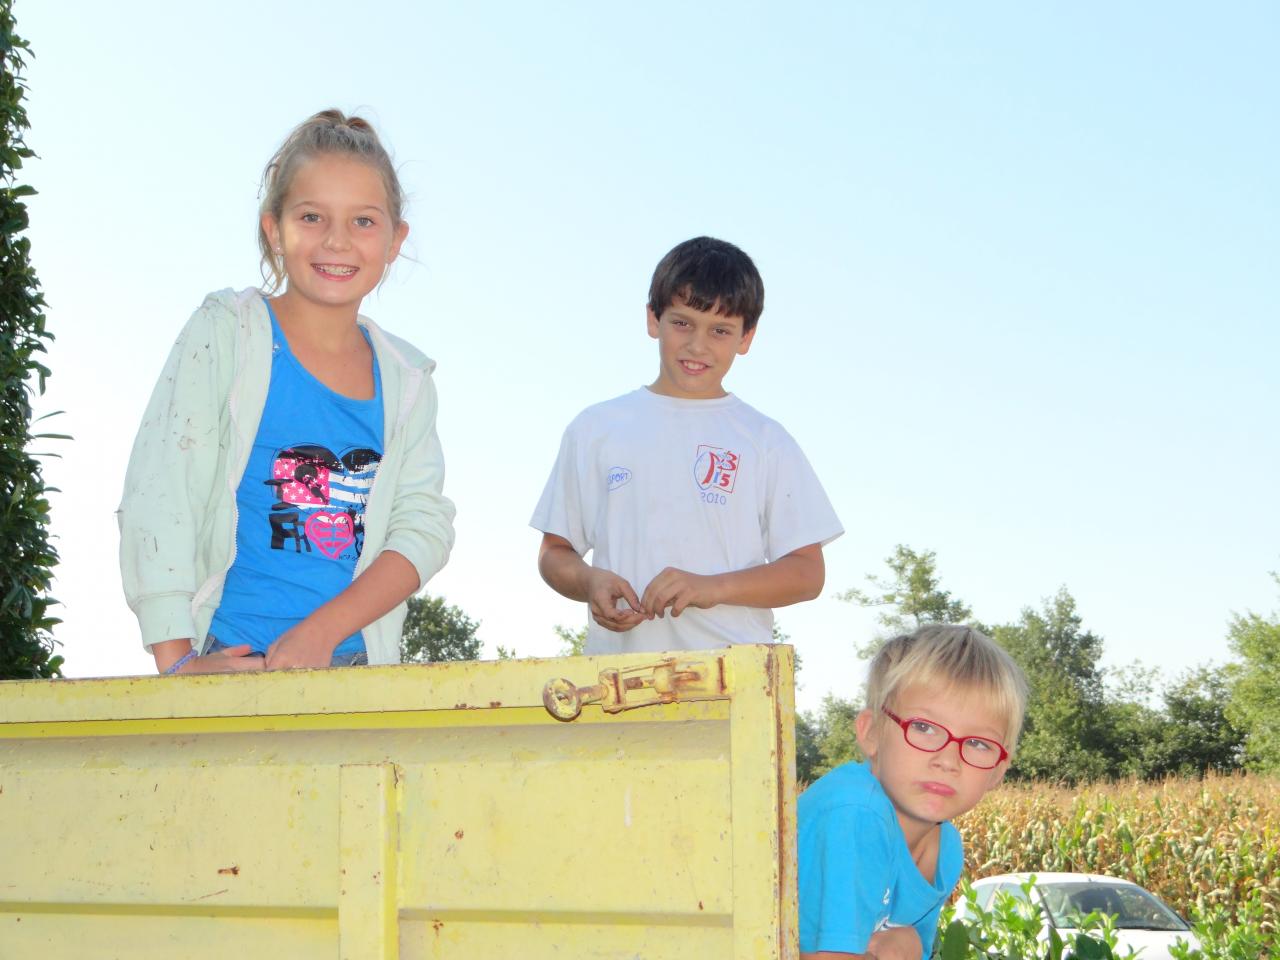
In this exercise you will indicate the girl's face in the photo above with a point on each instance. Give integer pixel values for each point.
(335, 231)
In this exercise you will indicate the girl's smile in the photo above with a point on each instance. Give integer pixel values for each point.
(335, 234)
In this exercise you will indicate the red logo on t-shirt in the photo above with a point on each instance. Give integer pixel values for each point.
(715, 468)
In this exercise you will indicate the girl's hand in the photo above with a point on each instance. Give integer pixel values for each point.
(299, 647)
(230, 660)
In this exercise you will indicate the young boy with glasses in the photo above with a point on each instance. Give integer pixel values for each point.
(877, 853)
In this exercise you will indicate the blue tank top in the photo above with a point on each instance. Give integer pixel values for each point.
(300, 504)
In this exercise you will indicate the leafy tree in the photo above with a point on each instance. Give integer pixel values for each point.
(1082, 722)
(26, 644)
(1189, 735)
(808, 754)
(1255, 686)
(1052, 639)
(1199, 735)
(1132, 741)
(1064, 733)
(912, 592)
(837, 734)
(435, 632)
(572, 642)
(827, 739)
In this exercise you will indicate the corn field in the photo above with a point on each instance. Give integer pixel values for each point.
(1210, 848)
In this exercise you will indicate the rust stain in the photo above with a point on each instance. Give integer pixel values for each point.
(724, 684)
(784, 842)
(231, 871)
(458, 833)
(495, 703)
(437, 925)
(700, 907)
(216, 893)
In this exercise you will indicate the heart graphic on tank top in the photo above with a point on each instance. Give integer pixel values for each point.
(330, 533)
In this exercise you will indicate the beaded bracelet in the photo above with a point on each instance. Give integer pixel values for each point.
(181, 662)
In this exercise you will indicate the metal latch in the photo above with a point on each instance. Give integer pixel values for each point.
(631, 687)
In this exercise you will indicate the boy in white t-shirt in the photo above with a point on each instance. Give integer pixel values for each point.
(691, 502)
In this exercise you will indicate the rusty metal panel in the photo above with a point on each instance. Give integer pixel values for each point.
(442, 811)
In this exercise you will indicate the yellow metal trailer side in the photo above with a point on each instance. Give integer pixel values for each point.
(444, 811)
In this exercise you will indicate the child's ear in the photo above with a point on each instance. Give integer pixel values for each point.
(745, 343)
(272, 229)
(397, 241)
(865, 726)
(653, 322)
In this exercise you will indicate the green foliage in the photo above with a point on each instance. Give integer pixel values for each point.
(1051, 640)
(572, 642)
(1012, 927)
(1210, 847)
(913, 594)
(1255, 687)
(435, 632)
(808, 753)
(1199, 734)
(1246, 932)
(26, 644)
(1082, 723)
(826, 740)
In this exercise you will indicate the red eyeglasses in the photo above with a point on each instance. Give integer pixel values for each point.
(931, 736)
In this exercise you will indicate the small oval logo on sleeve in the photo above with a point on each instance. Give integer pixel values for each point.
(618, 477)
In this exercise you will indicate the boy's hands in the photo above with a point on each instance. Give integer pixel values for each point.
(604, 589)
(679, 589)
(797, 576)
(569, 575)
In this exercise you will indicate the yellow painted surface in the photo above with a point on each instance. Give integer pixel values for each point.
(406, 812)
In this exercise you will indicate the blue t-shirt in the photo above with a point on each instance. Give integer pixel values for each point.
(856, 874)
(300, 504)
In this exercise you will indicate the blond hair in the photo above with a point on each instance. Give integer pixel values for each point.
(327, 132)
(950, 656)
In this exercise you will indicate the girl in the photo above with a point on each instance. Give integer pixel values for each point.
(283, 498)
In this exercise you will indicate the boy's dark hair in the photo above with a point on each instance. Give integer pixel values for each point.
(709, 274)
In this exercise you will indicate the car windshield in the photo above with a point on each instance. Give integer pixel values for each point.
(1132, 907)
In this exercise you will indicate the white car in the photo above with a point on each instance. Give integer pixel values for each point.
(1143, 921)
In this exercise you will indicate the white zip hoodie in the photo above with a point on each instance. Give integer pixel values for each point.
(178, 513)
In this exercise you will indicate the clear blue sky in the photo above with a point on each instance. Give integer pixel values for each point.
(1021, 260)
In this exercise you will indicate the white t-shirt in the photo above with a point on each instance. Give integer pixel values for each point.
(646, 481)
